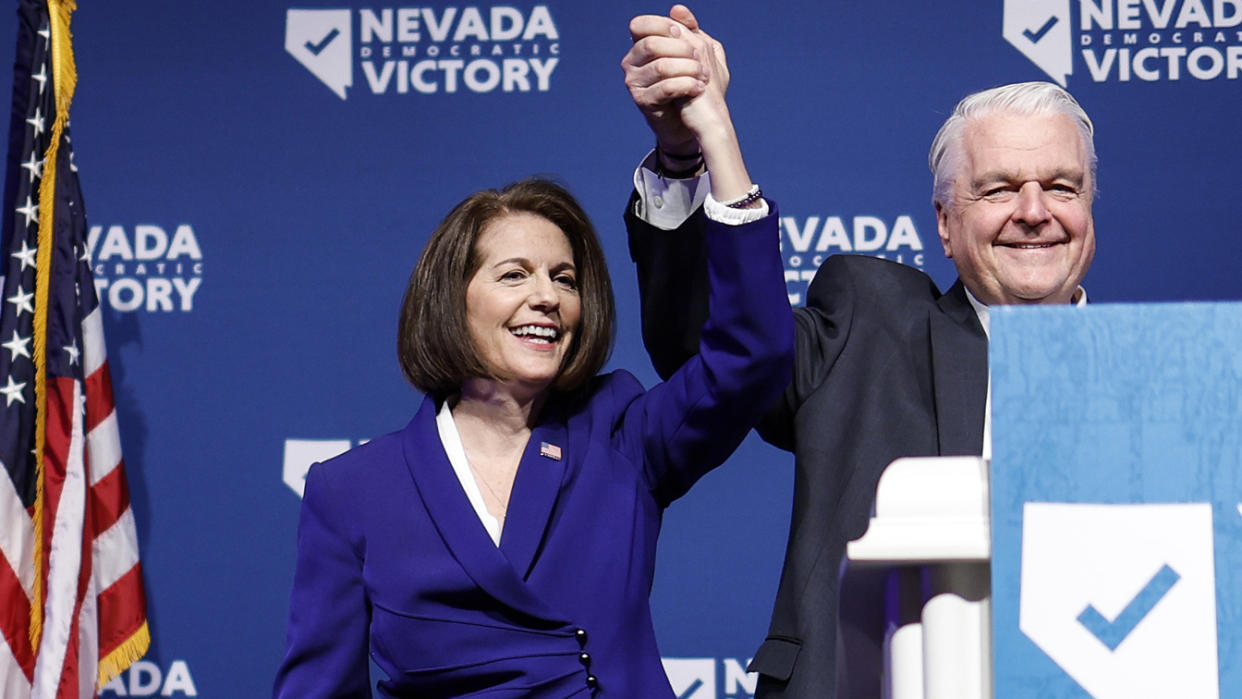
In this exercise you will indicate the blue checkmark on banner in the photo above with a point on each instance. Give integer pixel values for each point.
(691, 690)
(1112, 633)
(317, 48)
(1038, 34)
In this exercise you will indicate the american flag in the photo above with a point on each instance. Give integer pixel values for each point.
(72, 609)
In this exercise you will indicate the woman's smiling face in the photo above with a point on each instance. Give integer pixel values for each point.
(522, 304)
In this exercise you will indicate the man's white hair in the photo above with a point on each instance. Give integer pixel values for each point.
(1025, 99)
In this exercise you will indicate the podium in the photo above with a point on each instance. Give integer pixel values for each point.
(931, 525)
(1108, 524)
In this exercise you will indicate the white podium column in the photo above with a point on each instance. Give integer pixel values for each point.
(903, 644)
(932, 519)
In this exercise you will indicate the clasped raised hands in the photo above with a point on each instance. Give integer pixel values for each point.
(677, 75)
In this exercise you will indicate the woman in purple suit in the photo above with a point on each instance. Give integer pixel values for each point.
(503, 543)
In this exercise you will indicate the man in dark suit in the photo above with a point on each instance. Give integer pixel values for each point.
(887, 366)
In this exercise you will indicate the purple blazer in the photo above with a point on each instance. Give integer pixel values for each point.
(392, 559)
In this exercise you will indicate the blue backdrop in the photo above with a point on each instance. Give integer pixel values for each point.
(255, 231)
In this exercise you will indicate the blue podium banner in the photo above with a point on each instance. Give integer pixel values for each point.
(1117, 501)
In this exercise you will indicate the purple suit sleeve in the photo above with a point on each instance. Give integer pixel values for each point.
(695, 419)
(326, 646)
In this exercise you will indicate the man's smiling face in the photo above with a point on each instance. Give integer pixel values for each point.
(1019, 226)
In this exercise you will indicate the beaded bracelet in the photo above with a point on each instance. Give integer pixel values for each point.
(746, 200)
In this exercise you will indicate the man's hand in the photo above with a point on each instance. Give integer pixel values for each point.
(677, 76)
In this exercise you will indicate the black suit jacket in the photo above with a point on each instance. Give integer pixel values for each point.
(886, 366)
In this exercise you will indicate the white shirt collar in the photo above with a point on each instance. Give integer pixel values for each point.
(456, 451)
(985, 315)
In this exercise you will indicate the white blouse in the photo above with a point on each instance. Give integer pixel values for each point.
(451, 440)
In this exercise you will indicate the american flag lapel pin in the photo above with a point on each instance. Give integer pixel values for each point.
(550, 451)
